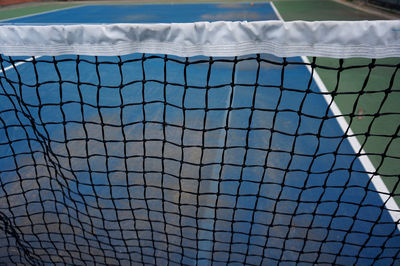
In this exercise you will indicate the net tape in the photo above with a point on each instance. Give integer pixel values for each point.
(338, 39)
(156, 159)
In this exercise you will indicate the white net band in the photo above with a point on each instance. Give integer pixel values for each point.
(371, 39)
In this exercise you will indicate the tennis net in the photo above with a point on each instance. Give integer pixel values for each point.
(199, 150)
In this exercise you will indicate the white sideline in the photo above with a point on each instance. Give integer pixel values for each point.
(18, 64)
(40, 13)
(376, 180)
(276, 11)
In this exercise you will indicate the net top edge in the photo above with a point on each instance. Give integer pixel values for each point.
(338, 39)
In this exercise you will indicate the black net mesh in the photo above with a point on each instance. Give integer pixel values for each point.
(157, 159)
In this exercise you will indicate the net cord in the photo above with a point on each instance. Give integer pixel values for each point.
(337, 39)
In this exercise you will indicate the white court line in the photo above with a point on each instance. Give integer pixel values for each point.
(18, 64)
(376, 180)
(41, 13)
(276, 11)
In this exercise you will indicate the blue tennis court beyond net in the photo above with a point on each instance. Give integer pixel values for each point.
(156, 13)
(156, 159)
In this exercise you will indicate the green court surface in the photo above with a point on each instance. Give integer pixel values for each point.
(311, 10)
(13, 12)
(368, 104)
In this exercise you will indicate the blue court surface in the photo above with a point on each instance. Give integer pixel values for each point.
(156, 13)
(201, 180)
